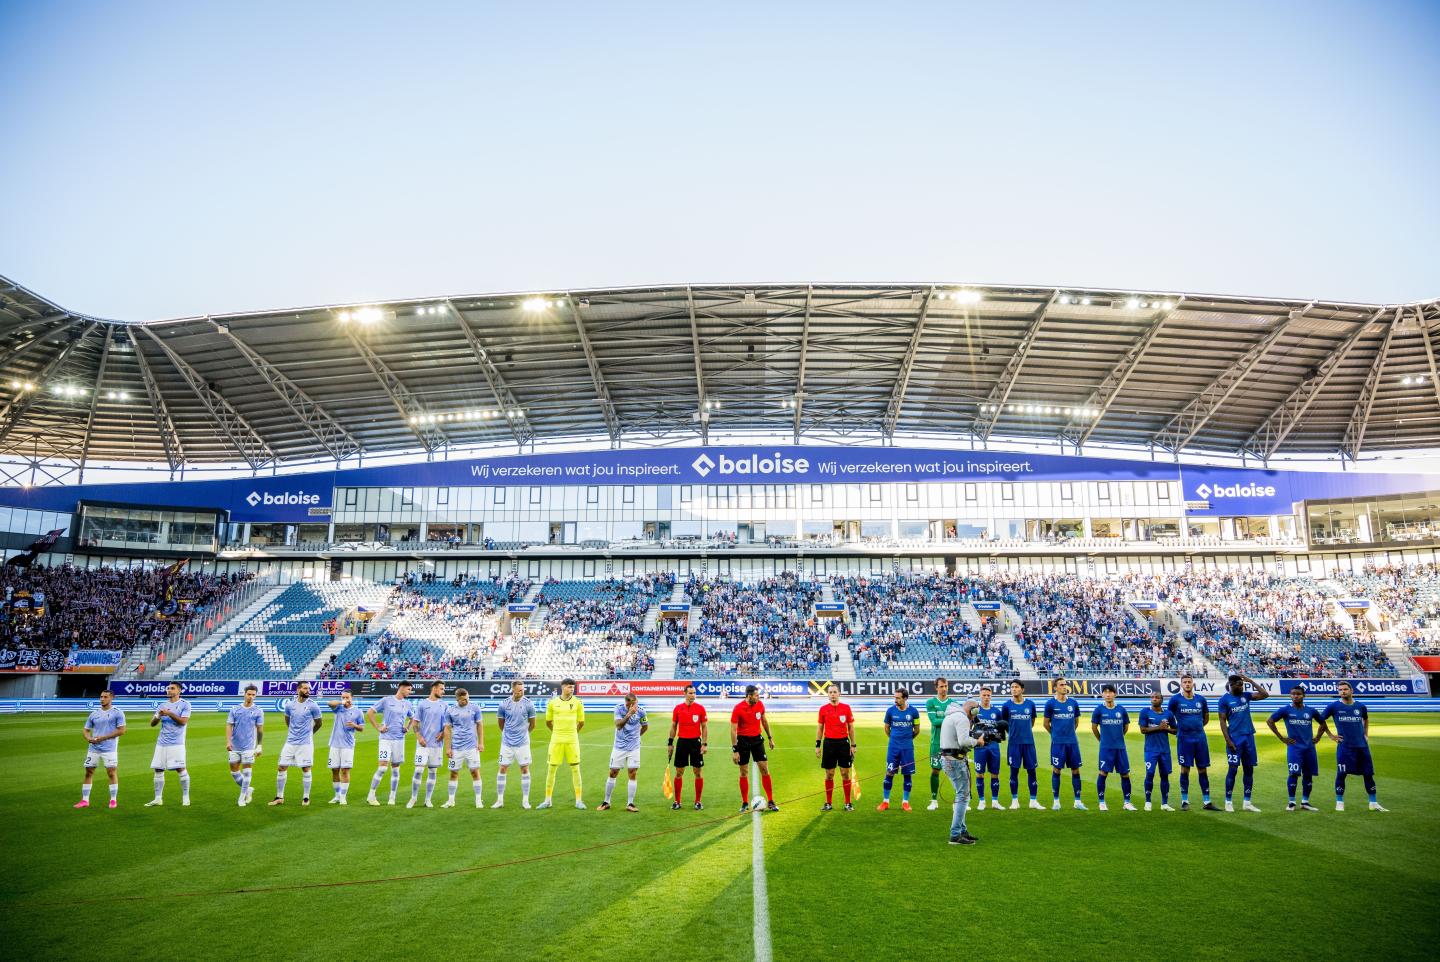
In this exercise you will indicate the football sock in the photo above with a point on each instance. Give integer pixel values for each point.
(744, 790)
(1075, 784)
(908, 780)
(1125, 786)
(500, 786)
(769, 788)
(829, 789)
(934, 785)
(184, 784)
(609, 789)
(1100, 786)
(525, 788)
(699, 787)
(280, 777)
(630, 787)
(159, 784)
(84, 793)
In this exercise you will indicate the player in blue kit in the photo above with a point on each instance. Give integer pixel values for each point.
(1062, 715)
(244, 732)
(1238, 730)
(392, 717)
(429, 743)
(464, 743)
(1157, 724)
(1351, 737)
(902, 727)
(1019, 714)
(987, 756)
(348, 721)
(1300, 759)
(1192, 715)
(1109, 722)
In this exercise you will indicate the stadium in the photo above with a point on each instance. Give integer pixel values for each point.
(704, 488)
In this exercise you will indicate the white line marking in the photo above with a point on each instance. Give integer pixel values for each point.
(761, 909)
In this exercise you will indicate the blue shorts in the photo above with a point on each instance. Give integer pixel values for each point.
(1302, 761)
(987, 759)
(900, 759)
(1244, 751)
(1021, 756)
(1065, 755)
(1194, 750)
(1353, 761)
(1159, 763)
(1114, 760)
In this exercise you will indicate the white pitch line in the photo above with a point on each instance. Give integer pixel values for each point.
(761, 909)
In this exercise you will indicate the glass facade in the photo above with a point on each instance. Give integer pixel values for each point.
(103, 526)
(1386, 519)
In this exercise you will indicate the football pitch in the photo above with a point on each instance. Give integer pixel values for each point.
(214, 881)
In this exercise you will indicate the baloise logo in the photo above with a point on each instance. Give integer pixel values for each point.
(255, 498)
(1236, 491)
(762, 464)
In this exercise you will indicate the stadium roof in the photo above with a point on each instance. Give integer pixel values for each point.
(1179, 371)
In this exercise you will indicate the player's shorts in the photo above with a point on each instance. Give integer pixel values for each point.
(168, 757)
(900, 759)
(1065, 755)
(1158, 763)
(835, 753)
(393, 751)
(102, 759)
(1302, 761)
(752, 748)
(688, 754)
(301, 756)
(1020, 756)
(1353, 760)
(987, 759)
(1193, 750)
(429, 756)
(625, 759)
(247, 757)
(1244, 751)
(515, 755)
(341, 757)
(1114, 760)
(465, 758)
(565, 750)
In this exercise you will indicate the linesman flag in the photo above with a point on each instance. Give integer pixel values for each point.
(667, 786)
(854, 780)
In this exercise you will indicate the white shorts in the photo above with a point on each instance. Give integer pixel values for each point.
(515, 755)
(246, 757)
(341, 757)
(392, 752)
(300, 756)
(168, 757)
(466, 758)
(430, 757)
(94, 759)
(630, 759)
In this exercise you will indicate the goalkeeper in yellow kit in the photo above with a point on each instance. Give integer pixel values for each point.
(565, 717)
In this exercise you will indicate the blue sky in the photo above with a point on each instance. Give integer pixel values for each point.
(165, 159)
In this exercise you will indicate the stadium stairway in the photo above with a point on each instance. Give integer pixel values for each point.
(377, 625)
(1017, 655)
(222, 631)
(652, 616)
(827, 593)
(138, 656)
(532, 597)
(664, 663)
(842, 665)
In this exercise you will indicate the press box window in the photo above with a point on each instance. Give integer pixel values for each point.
(912, 492)
(442, 495)
(1162, 490)
(592, 495)
(352, 495)
(407, 497)
(1067, 491)
(627, 494)
(1102, 490)
(971, 492)
(499, 495)
(1007, 492)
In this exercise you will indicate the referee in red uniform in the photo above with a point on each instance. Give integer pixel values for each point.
(688, 720)
(835, 745)
(747, 719)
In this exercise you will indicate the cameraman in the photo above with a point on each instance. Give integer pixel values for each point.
(955, 745)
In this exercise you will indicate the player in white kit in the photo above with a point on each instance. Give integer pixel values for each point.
(172, 716)
(516, 718)
(464, 741)
(103, 728)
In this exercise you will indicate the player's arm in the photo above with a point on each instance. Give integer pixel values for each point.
(1261, 692)
(1150, 729)
(819, 733)
(333, 704)
(319, 723)
(850, 726)
(1047, 720)
(734, 740)
(1125, 714)
(1225, 729)
(1204, 713)
(1271, 722)
(704, 736)
(550, 715)
(579, 717)
(370, 720)
(1324, 728)
(1094, 726)
(1365, 717)
(90, 739)
(644, 725)
(414, 725)
(229, 736)
(447, 739)
(118, 732)
(765, 724)
(480, 734)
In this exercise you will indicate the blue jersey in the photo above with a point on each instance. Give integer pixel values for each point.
(517, 716)
(1189, 713)
(1021, 716)
(991, 714)
(1156, 743)
(341, 735)
(244, 724)
(1112, 722)
(1299, 723)
(1349, 722)
(902, 722)
(102, 723)
(1063, 716)
(627, 736)
(430, 714)
(301, 716)
(463, 723)
(395, 714)
(171, 731)
(1236, 710)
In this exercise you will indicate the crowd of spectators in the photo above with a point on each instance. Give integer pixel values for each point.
(1408, 597)
(765, 628)
(103, 608)
(1072, 624)
(896, 624)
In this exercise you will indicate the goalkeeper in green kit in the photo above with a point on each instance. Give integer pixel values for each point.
(935, 708)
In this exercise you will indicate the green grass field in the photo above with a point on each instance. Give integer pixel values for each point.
(215, 881)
